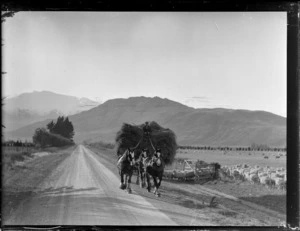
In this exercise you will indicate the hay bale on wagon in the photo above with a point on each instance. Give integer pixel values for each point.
(150, 136)
(127, 137)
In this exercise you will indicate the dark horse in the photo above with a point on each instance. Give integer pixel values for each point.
(154, 167)
(125, 166)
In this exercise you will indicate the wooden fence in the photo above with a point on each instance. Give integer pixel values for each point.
(190, 171)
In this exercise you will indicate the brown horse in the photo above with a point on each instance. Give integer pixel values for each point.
(141, 174)
(154, 167)
(125, 165)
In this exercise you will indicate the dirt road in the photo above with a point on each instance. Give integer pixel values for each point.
(82, 191)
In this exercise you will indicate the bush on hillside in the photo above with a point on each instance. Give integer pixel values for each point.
(62, 127)
(43, 139)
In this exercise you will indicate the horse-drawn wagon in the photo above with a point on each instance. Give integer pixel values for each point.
(153, 147)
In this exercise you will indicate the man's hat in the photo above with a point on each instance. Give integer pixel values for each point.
(158, 150)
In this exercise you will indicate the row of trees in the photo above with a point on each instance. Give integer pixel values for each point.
(58, 134)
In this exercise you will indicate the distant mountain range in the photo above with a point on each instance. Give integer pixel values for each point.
(32, 107)
(192, 126)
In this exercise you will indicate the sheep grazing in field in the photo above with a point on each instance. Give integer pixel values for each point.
(245, 166)
(270, 183)
(264, 179)
(222, 174)
(268, 176)
(254, 179)
(280, 170)
(253, 171)
(241, 171)
(272, 174)
(261, 174)
(249, 176)
(266, 157)
(238, 174)
(278, 181)
(277, 157)
(234, 173)
(280, 175)
(260, 169)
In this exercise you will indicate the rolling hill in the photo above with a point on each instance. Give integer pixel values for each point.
(29, 108)
(192, 126)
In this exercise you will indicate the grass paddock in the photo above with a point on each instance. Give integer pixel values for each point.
(251, 158)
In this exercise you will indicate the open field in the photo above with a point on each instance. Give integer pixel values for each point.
(251, 158)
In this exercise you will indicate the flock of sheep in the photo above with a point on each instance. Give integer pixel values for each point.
(269, 176)
(277, 156)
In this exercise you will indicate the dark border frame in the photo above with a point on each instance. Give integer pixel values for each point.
(293, 116)
(293, 71)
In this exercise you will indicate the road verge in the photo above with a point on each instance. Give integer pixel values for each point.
(19, 183)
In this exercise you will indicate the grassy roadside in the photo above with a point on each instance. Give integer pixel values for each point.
(273, 199)
(19, 182)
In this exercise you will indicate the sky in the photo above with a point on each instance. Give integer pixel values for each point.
(201, 59)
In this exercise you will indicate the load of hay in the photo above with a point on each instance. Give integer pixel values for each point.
(147, 136)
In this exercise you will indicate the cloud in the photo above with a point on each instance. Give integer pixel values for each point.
(219, 106)
(204, 102)
(197, 99)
